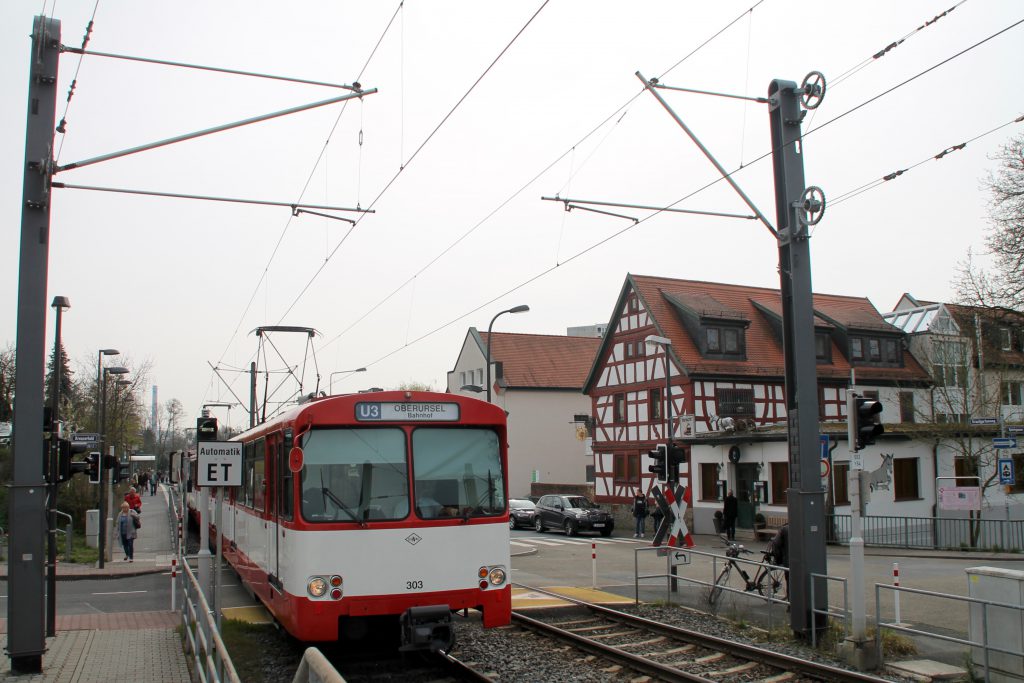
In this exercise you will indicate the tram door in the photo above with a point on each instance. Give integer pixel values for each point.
(746, 475)
(274, 462)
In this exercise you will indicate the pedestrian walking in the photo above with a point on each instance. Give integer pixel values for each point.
(729, 511)
(779, 548)
(128, 524)
(640, 512)
(134, 500)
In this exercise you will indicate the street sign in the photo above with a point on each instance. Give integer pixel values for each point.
(984, 421)
(1015, 429)
(823, 451)
(1005, 467)
(219, 463)
(826, 468)
(1004, 442)
(85, 437)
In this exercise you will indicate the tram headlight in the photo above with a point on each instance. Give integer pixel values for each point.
(497, 576)
(317, 586)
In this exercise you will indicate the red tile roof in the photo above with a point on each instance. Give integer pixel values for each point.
(538, 361)
(764, 355)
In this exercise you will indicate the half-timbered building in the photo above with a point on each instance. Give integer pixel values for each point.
(724, 357)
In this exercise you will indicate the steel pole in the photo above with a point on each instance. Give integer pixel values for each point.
(102, 540)
(51, 507)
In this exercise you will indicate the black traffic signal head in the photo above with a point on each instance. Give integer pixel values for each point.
(676, 456)
(121, 470)
(206, 429)
(91, 466)
(867, 422)
(658, 465)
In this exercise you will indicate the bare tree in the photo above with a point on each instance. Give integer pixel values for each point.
(7, 364)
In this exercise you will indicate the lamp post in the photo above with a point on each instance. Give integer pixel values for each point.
(104, 521)
(665, 344)
(60, 304)
(518, 309)
(330, 380)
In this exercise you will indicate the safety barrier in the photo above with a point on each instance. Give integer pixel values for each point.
(930, 533)
(985, 606)
(202, 639)
(314, 668)
(829, 611)
(673, 557)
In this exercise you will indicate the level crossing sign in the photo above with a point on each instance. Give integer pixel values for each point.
(1005, 467)
(672, 501)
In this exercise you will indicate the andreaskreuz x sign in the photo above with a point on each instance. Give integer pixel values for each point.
(219, 463)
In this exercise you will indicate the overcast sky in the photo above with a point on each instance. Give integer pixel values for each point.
(183, 283)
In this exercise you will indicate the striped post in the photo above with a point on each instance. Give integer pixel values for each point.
(593, 562)
(174, 581)
(896, 583)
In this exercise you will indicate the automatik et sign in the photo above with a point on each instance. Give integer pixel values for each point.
(219, 463)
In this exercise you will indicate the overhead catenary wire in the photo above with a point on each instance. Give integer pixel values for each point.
(544, 272)
(62, 127)
(619, 111)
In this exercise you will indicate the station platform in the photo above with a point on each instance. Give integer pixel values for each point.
(525, 599)
(117, 646)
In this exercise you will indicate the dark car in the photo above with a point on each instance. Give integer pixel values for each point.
(521, 513)
(572, 514)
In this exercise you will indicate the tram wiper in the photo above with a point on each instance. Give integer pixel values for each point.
(339, 503)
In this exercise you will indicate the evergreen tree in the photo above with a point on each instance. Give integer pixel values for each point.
(67, 386)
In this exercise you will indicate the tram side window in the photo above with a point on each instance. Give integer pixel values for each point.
(354, 475)
(457, 472)
(247, 460)
(258, 465)
(284, 504)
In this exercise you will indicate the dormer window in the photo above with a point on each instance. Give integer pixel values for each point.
(723, 340)
(822, 347)
(877, 351)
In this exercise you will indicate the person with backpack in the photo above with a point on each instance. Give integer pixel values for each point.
(640, 512)
(128, 524)
(779, 548)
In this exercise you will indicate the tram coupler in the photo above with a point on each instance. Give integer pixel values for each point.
(427, 628)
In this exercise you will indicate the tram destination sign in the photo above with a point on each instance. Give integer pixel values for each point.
(381, 411)
(219, 463)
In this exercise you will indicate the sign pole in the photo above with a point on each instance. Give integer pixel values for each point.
(220, 555)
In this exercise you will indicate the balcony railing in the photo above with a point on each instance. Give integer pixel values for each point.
(931, 533)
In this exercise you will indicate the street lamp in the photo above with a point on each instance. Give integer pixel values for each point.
(60, 304)
(330, 380)
(518, 309)
(117, 370)
(666, 344)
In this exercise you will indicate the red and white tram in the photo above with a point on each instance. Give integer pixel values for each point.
(389, 504)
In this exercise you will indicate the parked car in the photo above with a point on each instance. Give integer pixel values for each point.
(521, 513)
(5, 433)
(572, 514)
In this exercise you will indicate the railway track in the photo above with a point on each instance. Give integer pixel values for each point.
(672, 653)
(418, 667)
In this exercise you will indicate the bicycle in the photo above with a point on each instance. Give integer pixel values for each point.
(768, 580)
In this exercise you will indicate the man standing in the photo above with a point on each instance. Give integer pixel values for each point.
(640, 512)
(729, 512)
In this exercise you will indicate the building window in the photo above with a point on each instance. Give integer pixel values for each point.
(463, 382)
(732, 341)
(629, 349)
(891, 356)
(904, 475)
(714, 345)
(480, 377)
(950, 418)
(1011, 393)
(822, 347)
(1004, 339)
(735, 402)
(708, 481)
(874, 350)
(626, 468)
(631, 305)
(966, 469)
(780, 482)
(906, 406)
(633, 468)
(856, 348)
(619, 467)
(619, 410)
(840, 490)
(949, 363)
(655, 404)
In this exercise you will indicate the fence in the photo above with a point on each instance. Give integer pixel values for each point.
(931, 533)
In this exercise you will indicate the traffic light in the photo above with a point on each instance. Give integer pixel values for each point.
(657, 466)
(119, 470)
(206, 429)
(91, 466)
(867, 422)
(676, 456)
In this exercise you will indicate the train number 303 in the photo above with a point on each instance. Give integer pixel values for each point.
(413, 585)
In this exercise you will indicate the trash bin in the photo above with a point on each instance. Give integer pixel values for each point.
(92, 528)
(719, 528)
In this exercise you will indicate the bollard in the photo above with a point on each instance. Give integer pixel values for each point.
(593, 562)
(896, 583)
(174, 580)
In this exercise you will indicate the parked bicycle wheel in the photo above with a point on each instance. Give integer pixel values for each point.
(773, 584)
(722, 580)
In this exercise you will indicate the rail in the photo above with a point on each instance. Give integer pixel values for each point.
(68, 534)
(202, 639)
(932, 533)
(985, 605)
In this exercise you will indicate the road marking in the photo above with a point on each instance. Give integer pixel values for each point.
(121, 593)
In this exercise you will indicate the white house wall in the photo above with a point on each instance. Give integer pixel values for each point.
(542, 438)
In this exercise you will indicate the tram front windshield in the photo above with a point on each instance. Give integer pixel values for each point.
(358, 475)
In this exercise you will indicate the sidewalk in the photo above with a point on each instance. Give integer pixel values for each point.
(121, 646)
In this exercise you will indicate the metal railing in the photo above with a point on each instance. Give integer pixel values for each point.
(314, 668)
(68, 534)
(829, 611)
(202, 639)
(984, 605)
(931, 533)
(673, 557)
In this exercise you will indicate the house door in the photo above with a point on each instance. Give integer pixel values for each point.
(746, 475)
